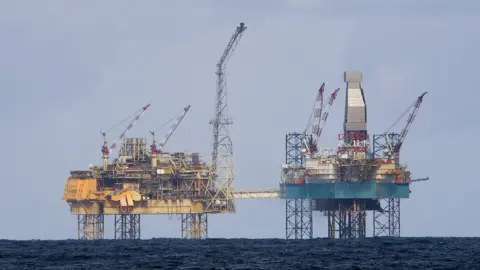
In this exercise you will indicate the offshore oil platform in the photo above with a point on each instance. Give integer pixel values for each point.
(346, 181)
(343, 182)
(142, 181)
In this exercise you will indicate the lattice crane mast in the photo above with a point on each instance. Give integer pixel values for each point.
(173, 127)
(106, 150)
(314, 121)
(317, 120)
(222, 149)
(394, 147)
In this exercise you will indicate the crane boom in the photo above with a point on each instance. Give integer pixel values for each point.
(411, 117)
(106, 149)
(222, 150)
(395, 149)
(319, 119)
(173, 127)
(318, 130)
(315, 119)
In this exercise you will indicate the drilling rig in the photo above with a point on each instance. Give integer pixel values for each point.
(347, 181)
(302, 153)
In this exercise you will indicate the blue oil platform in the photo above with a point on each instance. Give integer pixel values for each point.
(345, 182)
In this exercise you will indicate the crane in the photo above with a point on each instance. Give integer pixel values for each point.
(394, 147)
(106, 150)
(167, 136)
(222, 149)
(315, 116)
(317, 120)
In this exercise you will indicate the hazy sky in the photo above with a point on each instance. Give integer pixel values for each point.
(71, 68)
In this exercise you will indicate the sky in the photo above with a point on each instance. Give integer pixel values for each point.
(69, 69)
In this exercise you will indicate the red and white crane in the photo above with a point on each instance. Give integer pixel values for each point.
(318, 119)
(172, 129)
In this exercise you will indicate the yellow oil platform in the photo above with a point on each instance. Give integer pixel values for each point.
(136, 183)
(142, 182)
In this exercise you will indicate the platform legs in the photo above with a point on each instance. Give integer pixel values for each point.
(194, 226)
(388, 222)
(127, 226)
(90, 227)
(298, 224)
(349, 221)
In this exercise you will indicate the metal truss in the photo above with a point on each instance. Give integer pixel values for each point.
(127, 226)
(381, 148)
(298, 212)
(256, 193)
(90, 227)
(194, 226)
(347, 222)
(299, 222)
(293, 149)
(387, 223)
(222, 167)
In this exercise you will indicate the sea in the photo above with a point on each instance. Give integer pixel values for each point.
(369, 253)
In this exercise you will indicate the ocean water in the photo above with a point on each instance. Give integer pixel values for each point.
(370, 253)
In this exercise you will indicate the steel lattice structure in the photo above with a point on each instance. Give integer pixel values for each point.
(222, 168)
(386, 222)
(90, 227)
(194, 226)
(299, 219)
(347, 222)
(127, 226)
(298, 222)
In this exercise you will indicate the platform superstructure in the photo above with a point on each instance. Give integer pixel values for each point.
(346, 181)
(360, 174)
(146, 180)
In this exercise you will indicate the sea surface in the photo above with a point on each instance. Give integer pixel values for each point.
(370, 253)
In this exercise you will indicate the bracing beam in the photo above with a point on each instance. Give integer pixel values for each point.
(127, 226)
(349, 221)
(298, 212)
(194, 226)
(387, 223)
(298, 223)
(90, 227)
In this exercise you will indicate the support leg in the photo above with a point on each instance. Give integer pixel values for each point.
(348, 222)
(90, 227)
(298, 224)
(387, 223)
(127, 226)
(194, 226)
(333, 224)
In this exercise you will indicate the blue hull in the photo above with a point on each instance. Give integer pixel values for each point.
(344, 190)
